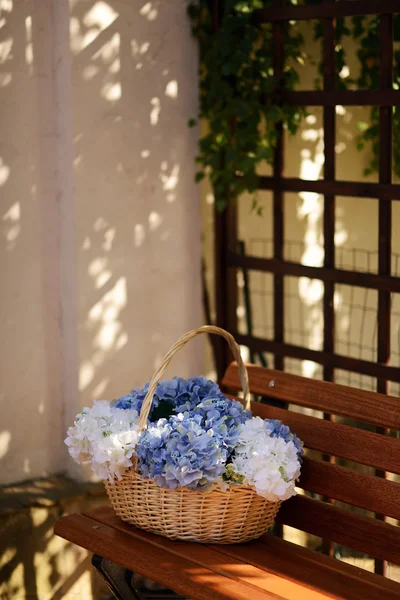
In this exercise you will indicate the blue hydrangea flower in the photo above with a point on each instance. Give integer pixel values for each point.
(192, 432)
(178, 452)
(166, 390)
(278, 429)
(194, 390)
(224, 417)
(181, 394)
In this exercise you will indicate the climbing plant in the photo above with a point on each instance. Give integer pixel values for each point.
(239, 95)
(366, 31)
(239, 91)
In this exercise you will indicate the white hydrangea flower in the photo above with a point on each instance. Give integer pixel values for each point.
(252, 429)
(269, 464)
(105, 437)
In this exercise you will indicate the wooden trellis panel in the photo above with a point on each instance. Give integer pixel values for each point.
(229, 259)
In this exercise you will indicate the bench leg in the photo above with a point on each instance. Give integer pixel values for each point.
(118, 579)
(121, 583)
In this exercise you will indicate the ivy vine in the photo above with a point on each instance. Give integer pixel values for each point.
(366, 31)
(239, 92)
(238, 95)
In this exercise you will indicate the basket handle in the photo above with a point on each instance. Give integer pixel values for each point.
(144, 412)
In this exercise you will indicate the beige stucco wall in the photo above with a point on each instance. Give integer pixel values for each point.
(100, 245)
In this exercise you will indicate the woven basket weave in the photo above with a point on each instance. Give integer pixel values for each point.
(231, 517)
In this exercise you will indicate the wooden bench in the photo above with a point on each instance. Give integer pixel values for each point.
(271, 567)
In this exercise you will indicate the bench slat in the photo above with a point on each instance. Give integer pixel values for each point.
(336, 439)
(345, 442)
(361, 405)
(373, 537)
(314, 569)
(179, 573)
(210, 557)
(269, 568)
(347, 485)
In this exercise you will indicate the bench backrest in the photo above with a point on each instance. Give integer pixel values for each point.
(358, 486)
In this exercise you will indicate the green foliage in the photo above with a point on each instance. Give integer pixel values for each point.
(240, 94)
(231, 475)
(366, 31)
(340, 58)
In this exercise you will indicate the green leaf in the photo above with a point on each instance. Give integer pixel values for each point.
(199, 176)
(274, 113)
(220, 204)
(239, 93)
(362, 126)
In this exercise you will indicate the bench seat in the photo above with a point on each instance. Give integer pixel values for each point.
(347, 452)
(266, 568)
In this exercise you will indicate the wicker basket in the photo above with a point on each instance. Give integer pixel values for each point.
(231, 517)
